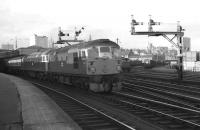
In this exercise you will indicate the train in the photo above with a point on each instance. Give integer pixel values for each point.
(94, 65)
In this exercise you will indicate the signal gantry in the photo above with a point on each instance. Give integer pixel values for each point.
(176, 34)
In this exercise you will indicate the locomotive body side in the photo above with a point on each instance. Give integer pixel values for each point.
(36, 64)
(67, 62)
(93, 65)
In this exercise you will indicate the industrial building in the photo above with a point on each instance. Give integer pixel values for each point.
(191, 61)
(41, 41)
(7, 46)
(186, 44)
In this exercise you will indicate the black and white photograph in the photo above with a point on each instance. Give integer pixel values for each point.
(99, 65)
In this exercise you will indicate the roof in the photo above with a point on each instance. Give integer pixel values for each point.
(103, 42)
(98, 42)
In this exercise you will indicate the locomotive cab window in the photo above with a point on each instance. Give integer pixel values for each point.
(105, 52)
(104, 49)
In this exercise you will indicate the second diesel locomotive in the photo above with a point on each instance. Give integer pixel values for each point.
(93, 65)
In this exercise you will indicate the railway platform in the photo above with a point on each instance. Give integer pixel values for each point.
(25, 107)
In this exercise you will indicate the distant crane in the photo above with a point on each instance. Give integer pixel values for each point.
(176, 34)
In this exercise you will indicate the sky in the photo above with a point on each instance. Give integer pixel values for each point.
(101, 18)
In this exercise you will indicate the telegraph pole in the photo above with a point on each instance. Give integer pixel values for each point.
(16, 43)
(176, 34)
(179, 40)
(117, 40)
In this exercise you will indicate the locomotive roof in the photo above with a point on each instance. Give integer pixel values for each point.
(38, 54)
(99, 42)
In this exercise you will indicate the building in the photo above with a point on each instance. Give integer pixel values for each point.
(172, 52)
(41, 41)
(124, 53)
(186, 44)
(7, 46)
(191, 61)
(151, 49)
(162, 50)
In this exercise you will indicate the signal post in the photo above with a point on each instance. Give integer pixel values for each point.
(176, 34)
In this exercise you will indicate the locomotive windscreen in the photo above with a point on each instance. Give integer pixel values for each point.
(104, 49)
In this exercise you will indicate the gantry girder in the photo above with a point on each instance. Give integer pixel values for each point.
(175, 34)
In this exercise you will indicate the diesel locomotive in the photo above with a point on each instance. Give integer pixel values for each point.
(94, 65)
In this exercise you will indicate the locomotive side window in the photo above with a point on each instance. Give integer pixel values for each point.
(79, 54)
(83, 54)
(43, 58)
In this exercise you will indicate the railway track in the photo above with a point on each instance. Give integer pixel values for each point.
(188, 77)
(155, 75)
(188, 97)
(187, 89)
(87, 117)
(162, 116)
(160, 95)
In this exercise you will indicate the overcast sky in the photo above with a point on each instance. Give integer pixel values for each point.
(101, 18)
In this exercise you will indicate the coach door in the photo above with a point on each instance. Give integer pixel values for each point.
(75, 64)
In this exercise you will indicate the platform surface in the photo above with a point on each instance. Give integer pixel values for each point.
(10, 107)
(38, 111)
